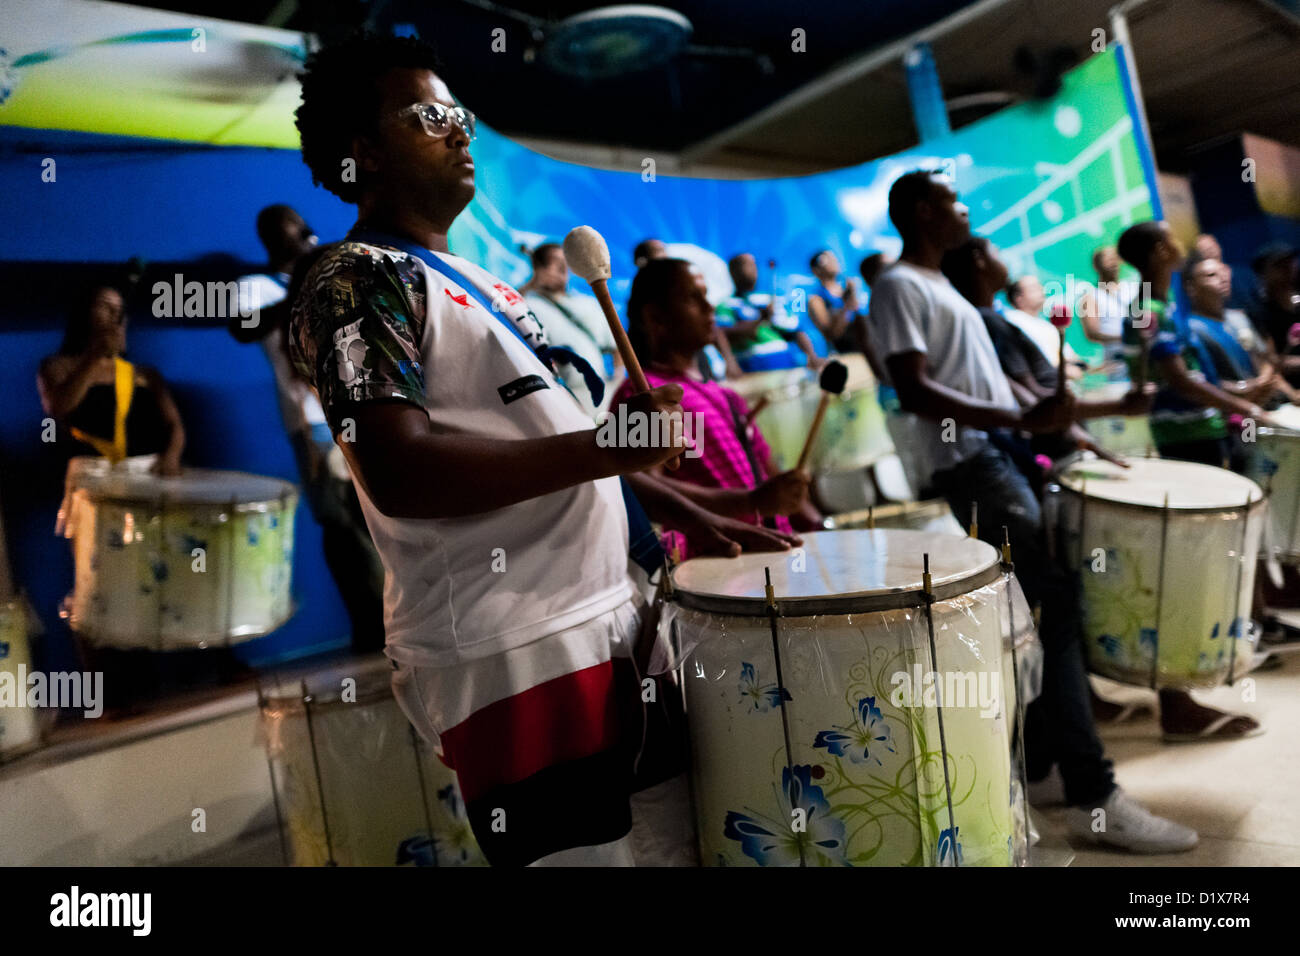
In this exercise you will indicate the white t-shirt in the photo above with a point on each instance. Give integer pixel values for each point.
(459, 589)
(584, 330)
(1114, 299)
(918, 310)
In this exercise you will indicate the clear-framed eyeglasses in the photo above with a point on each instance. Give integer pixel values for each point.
(437, 119)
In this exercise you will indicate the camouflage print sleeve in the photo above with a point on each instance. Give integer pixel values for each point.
(356, 328)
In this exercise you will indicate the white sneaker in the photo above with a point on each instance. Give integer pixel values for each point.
(1125, 824)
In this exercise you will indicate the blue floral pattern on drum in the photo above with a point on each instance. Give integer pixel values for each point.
(776, 842)
(860, 800)
(861, 740)
(763, 697)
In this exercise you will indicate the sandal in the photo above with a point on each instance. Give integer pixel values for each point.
(1216, 729)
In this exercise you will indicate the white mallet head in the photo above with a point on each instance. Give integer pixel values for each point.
(586, 253)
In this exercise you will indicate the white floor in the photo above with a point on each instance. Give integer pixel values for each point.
(1242, 797)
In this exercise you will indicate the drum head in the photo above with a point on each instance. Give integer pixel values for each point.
(839, 572)
(1147, 482)
(1287, 417)
(130, 482)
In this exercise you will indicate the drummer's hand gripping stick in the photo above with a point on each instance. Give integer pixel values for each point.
(834, 376)
(587, 255)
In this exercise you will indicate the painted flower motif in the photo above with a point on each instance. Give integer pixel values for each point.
(862, 740)
(763, 696)
(947, 840)
(776, 842)
(1147, 638)
(417, 851)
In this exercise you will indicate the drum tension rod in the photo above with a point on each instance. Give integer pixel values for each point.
(772, 613)
(974, 519)
(927, 583)
(1008, 568)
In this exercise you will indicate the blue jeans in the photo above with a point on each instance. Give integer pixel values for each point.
(1059, 728)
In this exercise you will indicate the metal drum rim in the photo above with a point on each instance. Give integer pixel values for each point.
(892, 600)
(1172, 509)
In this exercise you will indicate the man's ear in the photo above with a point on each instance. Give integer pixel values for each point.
(364, 153)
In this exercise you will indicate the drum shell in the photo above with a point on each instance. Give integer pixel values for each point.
(1187, 599)
(890, 807)
(1125, 435)
(853, 433)
(1275, 464)
(19, 726)
(370, 766)
(140, 583)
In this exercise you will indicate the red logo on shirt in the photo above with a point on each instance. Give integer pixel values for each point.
(510, 295)
(462, 299)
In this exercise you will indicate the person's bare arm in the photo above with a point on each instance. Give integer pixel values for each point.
(708, 532)
(1090, 316)
(1194, 388)
(921, 395)
(733, 367)
(410, 471)
(63, 383)
(169, 461)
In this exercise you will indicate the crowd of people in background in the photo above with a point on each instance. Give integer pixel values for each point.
(954, 338)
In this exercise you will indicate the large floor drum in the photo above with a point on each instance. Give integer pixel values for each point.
(870, 733)
(1274, 463)
(202, 559)
(19, 730)
(355, 786)
(1167, 554)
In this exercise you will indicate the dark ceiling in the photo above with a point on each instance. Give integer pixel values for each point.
(740, 58)
(739, 101)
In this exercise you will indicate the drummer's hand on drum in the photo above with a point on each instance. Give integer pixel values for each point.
(664, 400)
(166, 466)
(1052, 414)
(782, 495)
(729, 537)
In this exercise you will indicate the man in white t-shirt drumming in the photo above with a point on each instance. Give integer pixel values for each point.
(501, 525)
(942, 362)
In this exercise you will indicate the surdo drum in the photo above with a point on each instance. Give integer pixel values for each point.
(853, 434)
(1275, 464)
(354, 784)
(875, 727)
(202, 559)
(1167, 553)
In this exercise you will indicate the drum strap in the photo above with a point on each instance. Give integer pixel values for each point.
(123, 390)
(742, 435)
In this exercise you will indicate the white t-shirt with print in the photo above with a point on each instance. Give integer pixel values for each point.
(463, 588)
(918, 310)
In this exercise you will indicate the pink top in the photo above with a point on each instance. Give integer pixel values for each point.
(722, 462)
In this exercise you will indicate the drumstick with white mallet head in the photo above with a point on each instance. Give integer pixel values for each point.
(587, 255)
(834, 376)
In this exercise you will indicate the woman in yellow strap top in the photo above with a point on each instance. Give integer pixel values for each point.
(101, 403)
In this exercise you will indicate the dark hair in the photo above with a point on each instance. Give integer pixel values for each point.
(76, 333)
(1013, 290)
(960, 267)
(269, 218)
(642, 249)
(542, 254)
(812, 263)
(1137, 242)
(341, 98)
(870, 266)
(651, 286)
(910, 190)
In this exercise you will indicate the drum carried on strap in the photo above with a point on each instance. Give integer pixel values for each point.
(19, 727)
(1167, 552)
(170, 563)
(864, 718)
(354, 784)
